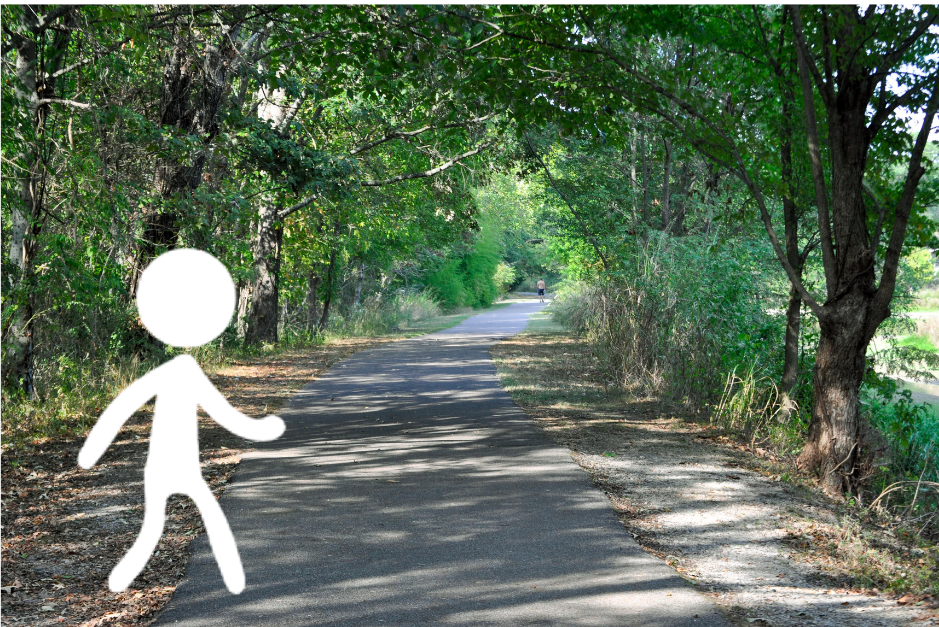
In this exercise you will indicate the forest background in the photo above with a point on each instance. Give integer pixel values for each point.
(738, 202)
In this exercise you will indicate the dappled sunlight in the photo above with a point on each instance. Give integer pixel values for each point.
(410, 489)
(690, 503)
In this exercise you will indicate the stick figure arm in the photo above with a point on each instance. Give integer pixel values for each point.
(114, 417)
(263, 429)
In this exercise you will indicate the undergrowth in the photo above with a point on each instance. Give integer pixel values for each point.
(74, 392)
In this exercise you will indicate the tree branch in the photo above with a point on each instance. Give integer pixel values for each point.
(72, 103)
(915, 172)
(406, 134)
(886, 108)
(427, 173)
(829, 259)
(796, 13)
(583, 225)
(794, 278)
(891, 58)
(87, 60)
(41, 23)
(281, 215)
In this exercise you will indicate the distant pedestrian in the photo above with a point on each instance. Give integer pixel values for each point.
(542, 286)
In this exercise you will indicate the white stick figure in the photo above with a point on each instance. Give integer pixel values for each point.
(185, 298)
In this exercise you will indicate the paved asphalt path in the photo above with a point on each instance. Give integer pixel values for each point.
(409, 489)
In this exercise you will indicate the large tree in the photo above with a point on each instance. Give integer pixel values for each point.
(709, 74)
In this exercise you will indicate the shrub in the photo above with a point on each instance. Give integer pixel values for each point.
(414, 306)
(378, 315)
(678, 317)
(505, 277)
(447, 286)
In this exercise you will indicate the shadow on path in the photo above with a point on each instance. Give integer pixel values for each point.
(410, 490)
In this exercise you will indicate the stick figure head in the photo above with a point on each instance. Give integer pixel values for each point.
(185, 297)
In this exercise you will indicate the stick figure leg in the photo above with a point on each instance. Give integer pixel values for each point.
(154, 516)
(220, 538)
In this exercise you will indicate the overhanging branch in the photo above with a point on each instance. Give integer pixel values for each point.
(427, 173)
(407, 134)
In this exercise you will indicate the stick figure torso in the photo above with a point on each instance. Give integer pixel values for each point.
(185, 298)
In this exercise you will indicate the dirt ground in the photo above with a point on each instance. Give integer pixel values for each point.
(766, 551)
(65, 528)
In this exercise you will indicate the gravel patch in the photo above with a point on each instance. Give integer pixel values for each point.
(748, 540)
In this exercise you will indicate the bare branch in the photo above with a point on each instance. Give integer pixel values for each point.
(428, 173)
(406, 134)
(72, 103)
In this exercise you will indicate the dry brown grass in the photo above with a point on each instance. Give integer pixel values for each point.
(564, 388)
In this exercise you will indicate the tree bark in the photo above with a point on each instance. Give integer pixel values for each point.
(358, 286)
(330, 279)
(262, 316)
(244, 300)
(666, 188)
(176, 179)
(790, 375)
(634, 140)
(312, 300)
(34, 88)
(645, 176)
(831, 449)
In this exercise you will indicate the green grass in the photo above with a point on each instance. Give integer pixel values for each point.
(543, 322)
(919, 342)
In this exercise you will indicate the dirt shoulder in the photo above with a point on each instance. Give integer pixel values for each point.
(65, 528)
(765, 550)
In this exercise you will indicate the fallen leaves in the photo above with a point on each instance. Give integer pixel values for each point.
(65, 528)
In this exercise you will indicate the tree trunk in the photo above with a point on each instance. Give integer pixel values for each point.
(634, 139)
(790, 375)
(645, 176)
(312, 300)
(244, 299)
(848, 320)
(262, 317)
(175, 179)
(666, 188)
(358, 286)
(831, 449)
(27, 215)
(330, 279)
(684, 184)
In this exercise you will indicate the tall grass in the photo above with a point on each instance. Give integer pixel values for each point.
(906, 474)
(381, 315)
(679, 316)
(76, 391)
(75, 395)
